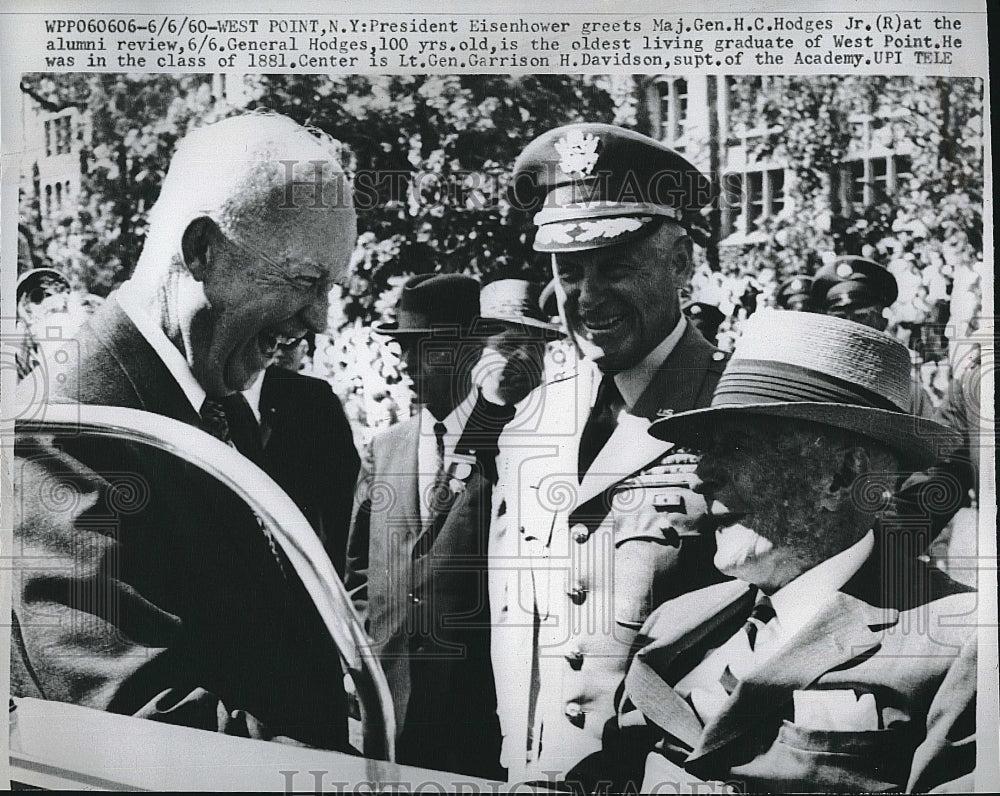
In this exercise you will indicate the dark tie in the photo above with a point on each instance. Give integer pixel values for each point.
(439, 500)
(762, 613)
(482, 433)
(231, 420)
(601, 424)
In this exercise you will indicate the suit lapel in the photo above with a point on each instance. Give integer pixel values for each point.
(154, 386)
(675, 388)
(402, 472)
(647, 683)
(841, 632)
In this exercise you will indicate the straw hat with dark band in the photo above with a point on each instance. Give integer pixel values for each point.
(823, 369)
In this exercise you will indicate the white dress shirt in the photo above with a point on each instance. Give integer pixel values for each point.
(795, 605)
(427, 456)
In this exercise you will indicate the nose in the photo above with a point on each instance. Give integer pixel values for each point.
(314, 314)
(590, 290)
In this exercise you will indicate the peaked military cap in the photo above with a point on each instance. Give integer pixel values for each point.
(795, 293)
(594, 185)
(853, 282)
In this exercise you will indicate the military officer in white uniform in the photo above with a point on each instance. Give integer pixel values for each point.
(580, 554)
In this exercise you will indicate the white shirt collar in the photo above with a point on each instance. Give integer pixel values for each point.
(168, 353)
(252, 394)
(632, 383)
(797, 602)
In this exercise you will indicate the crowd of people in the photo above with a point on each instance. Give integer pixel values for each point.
(665, 564)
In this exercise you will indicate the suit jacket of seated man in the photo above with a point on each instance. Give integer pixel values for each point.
(309, 450)
(426, 607)
(571, 578)
(899, 631)
(154, 592)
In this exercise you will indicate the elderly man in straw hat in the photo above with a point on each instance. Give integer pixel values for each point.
(179, 606)
(830, 662)
(417, 561)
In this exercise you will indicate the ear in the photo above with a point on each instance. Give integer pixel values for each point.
(196, 246)
(839, 491)
(682, 254)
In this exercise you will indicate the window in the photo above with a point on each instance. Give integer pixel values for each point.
(58, 135)
(750, 197)
(57, 195)
(868, 180)
(668, 100)
(876, 168)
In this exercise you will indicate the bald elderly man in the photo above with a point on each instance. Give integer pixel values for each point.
(180, 608)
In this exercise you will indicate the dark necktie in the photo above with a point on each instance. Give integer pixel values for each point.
(762, 613)
(439, 500)
(231, 420)
(481, 435)
(601, 424)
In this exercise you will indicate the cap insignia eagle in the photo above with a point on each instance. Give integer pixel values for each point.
(577, 152)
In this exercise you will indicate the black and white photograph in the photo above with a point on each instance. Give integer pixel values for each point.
(525, 431)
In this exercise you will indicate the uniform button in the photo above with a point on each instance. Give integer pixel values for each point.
(575, 659)
(718, 356)
(414, 598)
(580, 533)
(575, 714)
(577, 593)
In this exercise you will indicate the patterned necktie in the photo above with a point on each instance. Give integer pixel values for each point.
(231, 420)
(762, 613)
(601, 424)
(214, 420)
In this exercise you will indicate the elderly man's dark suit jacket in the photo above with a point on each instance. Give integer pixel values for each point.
(167, 602)
(428, 613)
(309, 450)
(899, 630)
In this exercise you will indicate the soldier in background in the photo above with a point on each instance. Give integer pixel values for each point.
(855, 288)
(795, 294)
(706, 318)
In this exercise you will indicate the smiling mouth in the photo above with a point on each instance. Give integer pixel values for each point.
(600, 324)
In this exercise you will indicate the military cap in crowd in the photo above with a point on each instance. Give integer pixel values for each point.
(795, 293)
(594, 185)
(706, 318)
(851, 281)
(434, 303)
(38, 284)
